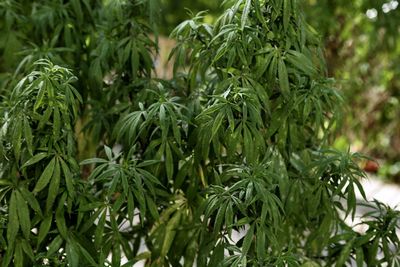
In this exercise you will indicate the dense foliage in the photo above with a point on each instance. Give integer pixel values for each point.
(226, 164)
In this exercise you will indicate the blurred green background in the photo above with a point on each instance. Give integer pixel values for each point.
(362, 50)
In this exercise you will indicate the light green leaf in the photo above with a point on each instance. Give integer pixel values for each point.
(170, 232)
(245, 14)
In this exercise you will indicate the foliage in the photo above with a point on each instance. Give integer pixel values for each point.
(227, 164)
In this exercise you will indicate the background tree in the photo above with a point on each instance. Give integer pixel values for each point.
(238, 142)
(361, 40)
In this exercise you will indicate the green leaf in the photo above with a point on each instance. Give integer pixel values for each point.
(68, 178)
(26, 247)
(35, 159)
(260, 243)
(23, 215)
(248, 239)
(72, 253)
(286, 13)
(283, 79)
(152, 207)
(169, 163)
(345, 253)
(217, 124)
(28, 135)
(130, 206)
(93, 161)
(86, 254)
(13, 222)
(45, 177)
(249, 148)
(77, 10)
(220, 217)
(245, 14)
(44, 228)
(18, 255)
(32, 201)
(99, 232)
(116, 255)
(56, 123)
(170, 232)
(108, 152)
(54, 186)
(16, 138)
(44, 119)
(359, 257)
(301, 62)
(39, 98)
(60, 218)
(54, 246)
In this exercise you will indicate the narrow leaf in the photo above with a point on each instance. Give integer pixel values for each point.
(45, 177)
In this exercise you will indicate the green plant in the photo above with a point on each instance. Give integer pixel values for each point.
(237, 142)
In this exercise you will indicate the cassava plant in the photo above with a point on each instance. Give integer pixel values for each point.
(227, 164)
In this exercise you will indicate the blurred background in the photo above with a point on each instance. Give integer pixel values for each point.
(362, 50)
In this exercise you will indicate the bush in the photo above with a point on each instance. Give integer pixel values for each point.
(226, 164)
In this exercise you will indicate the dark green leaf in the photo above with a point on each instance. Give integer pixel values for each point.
(45, 177)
